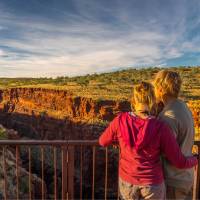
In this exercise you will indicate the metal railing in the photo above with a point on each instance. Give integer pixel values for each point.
(67, 161)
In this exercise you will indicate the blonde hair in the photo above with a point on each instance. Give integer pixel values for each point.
(143, 93)
(169, 81)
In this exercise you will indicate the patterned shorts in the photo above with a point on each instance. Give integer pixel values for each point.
(137, 192)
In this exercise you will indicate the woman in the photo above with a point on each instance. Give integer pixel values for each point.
(142, 138)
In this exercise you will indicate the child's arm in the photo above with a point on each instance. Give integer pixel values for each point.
(110, 134)
(172, 151)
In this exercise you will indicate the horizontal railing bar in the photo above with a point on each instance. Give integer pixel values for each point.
(56, 142)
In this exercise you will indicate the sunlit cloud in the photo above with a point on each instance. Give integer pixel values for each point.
(1, 53)
(95, 36)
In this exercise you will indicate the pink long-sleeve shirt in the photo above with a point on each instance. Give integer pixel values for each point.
(141, 143)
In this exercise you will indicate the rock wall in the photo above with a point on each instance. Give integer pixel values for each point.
(58, 104)
(55, 114)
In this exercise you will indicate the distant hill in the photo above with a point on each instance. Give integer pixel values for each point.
(113, 85)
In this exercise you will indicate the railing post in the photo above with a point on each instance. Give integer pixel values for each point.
(71, 172)
(196, 187)
(64, 172)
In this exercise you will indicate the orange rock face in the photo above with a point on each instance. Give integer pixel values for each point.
(58, 104)
(50, 114)
(195, 108)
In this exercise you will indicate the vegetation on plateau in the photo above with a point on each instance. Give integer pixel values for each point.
(112, 85)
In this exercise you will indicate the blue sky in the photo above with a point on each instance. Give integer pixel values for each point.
(74, 37)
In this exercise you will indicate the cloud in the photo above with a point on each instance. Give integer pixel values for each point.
(96, 38)
(2, 53)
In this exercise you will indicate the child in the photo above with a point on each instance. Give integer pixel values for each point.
(142, 138)
(177, 115)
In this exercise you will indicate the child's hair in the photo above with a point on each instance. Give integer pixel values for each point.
(143, 93)
(169, 81)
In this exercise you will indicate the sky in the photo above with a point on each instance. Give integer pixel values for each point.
(50, 38)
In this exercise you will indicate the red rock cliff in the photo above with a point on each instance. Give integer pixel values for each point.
(50, 114)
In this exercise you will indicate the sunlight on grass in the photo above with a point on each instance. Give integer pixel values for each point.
(113, 86)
